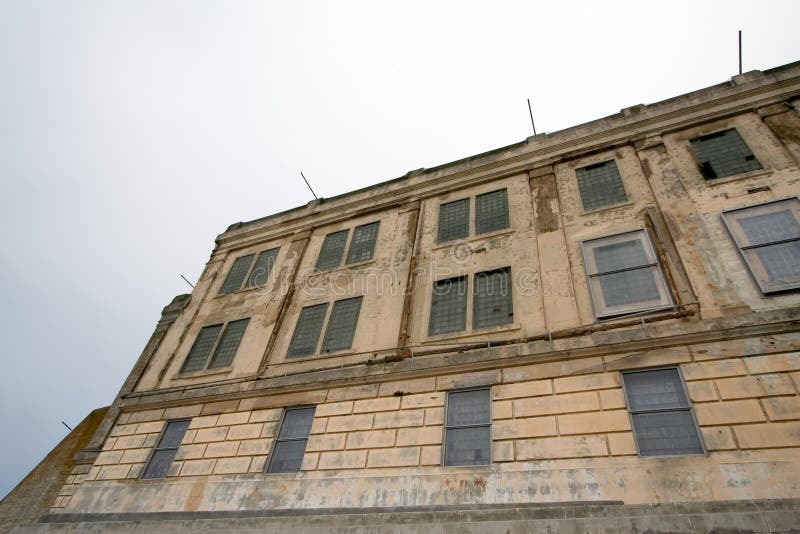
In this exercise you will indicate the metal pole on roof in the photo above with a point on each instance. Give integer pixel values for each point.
(531, 112)
(740, 51)
(309, 185)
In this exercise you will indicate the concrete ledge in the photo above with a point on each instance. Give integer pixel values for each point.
(719, 517)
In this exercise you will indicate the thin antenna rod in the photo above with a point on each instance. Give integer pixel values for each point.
(66, 425)
(531, 112)
(188, 282)
(309, 185)
(740, 51)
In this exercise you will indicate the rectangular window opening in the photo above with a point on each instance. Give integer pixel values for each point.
(448, 306)
(600, 185)
(453, 220)
(290, 444)
(330, 255)
(722, 154)
(492, 302)
(362, 246)
(468, 428)
(491, 211)
(165, 450)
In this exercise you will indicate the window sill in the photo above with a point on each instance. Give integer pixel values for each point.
(466, 240)
(736, 177)
(348, 267)
(437, 338)
(203, 373)
(608, 208)
(313, 357)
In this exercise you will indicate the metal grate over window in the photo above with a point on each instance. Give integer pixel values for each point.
(233, 282)
(229, 343)
(468, 439)
(165, 450)
(448, 306)
(198, 354)
(492, 303)
(363, 243)
(306, 332)
(661, 414)
(263, 267)
(624, 275)
(600, 185)
(290, 446)
(768, 237)
(723, 154)
(332, 250)
(491, 211)
(342, 325)
(453, 220)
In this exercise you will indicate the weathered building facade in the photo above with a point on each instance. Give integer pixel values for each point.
(595, 329)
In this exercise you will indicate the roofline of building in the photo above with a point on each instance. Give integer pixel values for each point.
(627, 115)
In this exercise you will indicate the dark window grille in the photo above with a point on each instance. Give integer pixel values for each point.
(342, 325)
(661, 414)
(453, 220)
(263, 267)
(229, 343)
(468, 428)
(206, 341)
(600, 185)
(448, 306)
(332, 250)
(198, 354)
(165, 450)
(723, 154)
(363, 244)
(492, 302)
(307, 331)
(491, 211)
(290, 445)
(233, 282)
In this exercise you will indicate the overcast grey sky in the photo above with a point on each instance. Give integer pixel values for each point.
(132, 133)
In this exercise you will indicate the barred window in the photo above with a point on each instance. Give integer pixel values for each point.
(468, 428)
(768, 237)
(165, 450)
(723, 154)
(492, 302)
(342, 325)
(363, 244)
(491, 211)
(662, 418)
(600, 185)
(237, 274)
(223, 346)
(624, 275)
(332, 250)
(448, 306)
(306, 332)
(290, 445)
(262, 268)
(453, 220)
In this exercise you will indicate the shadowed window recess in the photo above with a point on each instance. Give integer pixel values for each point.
(468, 428)
(662, 418)
(290, 445)
(249, 273)
(624, 275)
(362, 246)
(339, 333)
(491, 214)
(492, 302)
(722, 154)
(768, 238)
(600, 185)
(165, 450)
(220, 340)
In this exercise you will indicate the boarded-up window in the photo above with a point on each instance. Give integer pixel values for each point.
(468, 430)
(306, 332)
(165, 450)
(492, 304)
(448, 306)
(491, 211)
(453, 220)
(332, 250)
(342, 325)
(723, 154)
(624, 275)
(290, 445)
(363, 244)
(768, 237)
(662, 418)
(600, 185)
